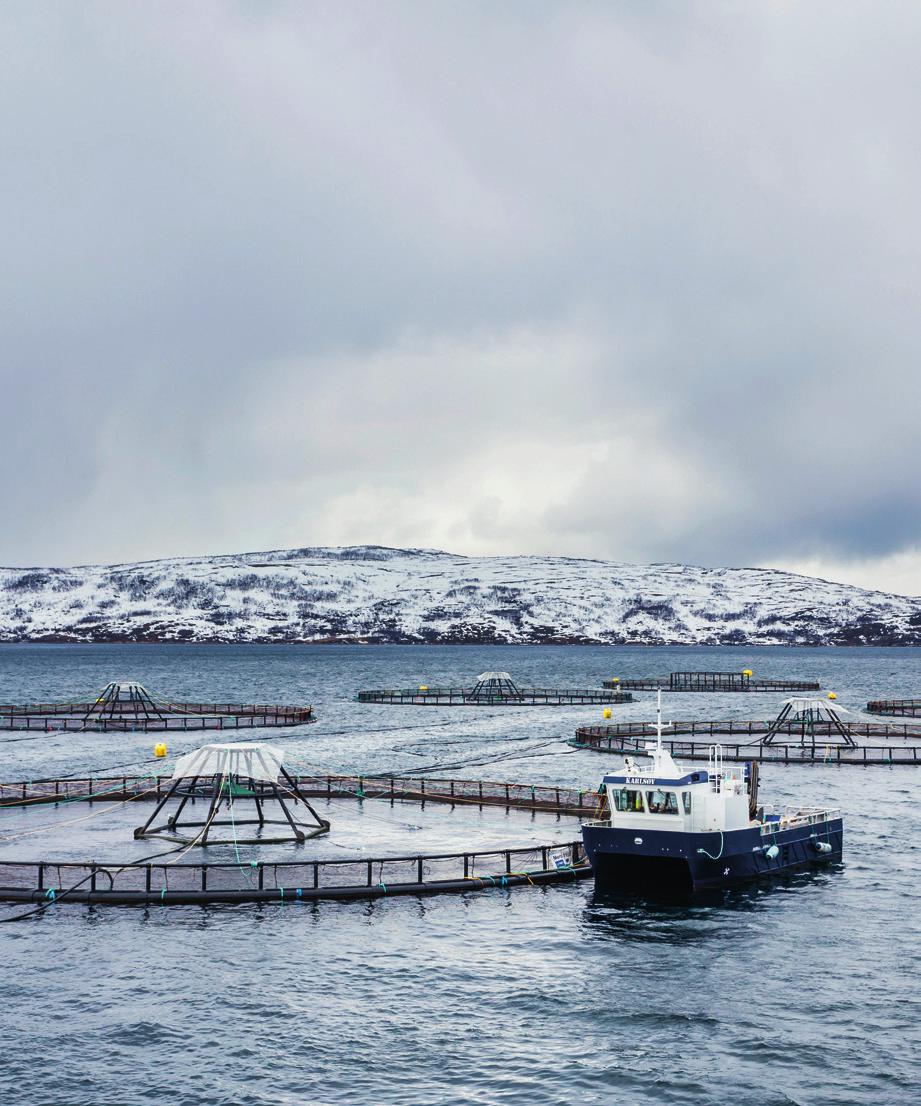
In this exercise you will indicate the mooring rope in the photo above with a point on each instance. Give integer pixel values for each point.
(51, 799)
(443, 797)
(388, 796)
(53, 896)
(246, 870)
(74, 821)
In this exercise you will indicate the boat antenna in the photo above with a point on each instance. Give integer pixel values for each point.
(659, 720)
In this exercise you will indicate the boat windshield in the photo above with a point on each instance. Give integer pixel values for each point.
(627, 801)
(662, 802)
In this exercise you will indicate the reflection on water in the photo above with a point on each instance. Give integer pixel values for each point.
(617, 904)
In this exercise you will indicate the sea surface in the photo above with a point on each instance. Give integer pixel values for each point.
(804, 991)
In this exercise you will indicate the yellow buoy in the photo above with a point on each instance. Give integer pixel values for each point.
(606, 713)
(615, 679)
(160, 749)
(423, 687)
(747, 672)
(832, 695)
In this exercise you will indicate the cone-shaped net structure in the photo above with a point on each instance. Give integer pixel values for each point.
(810, 712)
(121, 699)
(490, 686)
(218, 789)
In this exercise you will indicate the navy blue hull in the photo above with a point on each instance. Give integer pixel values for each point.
(663, 860)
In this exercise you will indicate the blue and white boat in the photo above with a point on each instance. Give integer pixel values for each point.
(669, 829)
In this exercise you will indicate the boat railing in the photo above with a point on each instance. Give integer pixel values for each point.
(801, 816)
(715, 766)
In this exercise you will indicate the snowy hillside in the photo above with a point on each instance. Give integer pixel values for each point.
(412, 595)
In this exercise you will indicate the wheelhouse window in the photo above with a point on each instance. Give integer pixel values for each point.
(662, 802)
(686, 799)
(627, 801)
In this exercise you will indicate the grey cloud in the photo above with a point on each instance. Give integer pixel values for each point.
(305, 272)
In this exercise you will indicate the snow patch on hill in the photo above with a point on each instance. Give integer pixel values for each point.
(372, 593)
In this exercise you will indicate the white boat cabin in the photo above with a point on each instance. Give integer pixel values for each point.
(664, 796)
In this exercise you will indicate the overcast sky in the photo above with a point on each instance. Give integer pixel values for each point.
(637, 281)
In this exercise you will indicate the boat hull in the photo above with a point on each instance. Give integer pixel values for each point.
(664, 860)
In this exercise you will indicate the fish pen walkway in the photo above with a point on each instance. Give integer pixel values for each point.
(131, 708)
(709, 681)
(494, 689)
(519, 796)
(47, 882)
(819, 743)
(897, 707)
(527, 697)
(290, 881)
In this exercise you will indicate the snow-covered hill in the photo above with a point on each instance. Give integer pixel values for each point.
(369, 593)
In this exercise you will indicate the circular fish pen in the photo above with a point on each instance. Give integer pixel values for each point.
(494, 689)
(806, 731)
(910, 708)
(161, 881)
(709, 682)
(130, 708)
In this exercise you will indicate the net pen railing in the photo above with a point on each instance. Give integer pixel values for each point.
(744, 728)
(48, 878)
(909, 707)
(80, 717)
(709, 681)
(564, 800)
(553, 799)
(417, 691)
(814, 750)
(127, 705)
(447, 696)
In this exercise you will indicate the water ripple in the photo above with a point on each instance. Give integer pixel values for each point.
(801, 995)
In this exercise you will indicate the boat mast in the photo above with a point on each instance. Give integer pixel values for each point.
(659, 721)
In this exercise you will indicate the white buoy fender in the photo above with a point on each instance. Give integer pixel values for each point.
(822, 846)
(771, 852)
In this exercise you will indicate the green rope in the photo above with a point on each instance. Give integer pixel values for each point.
(719, 854)
(52, 800)
(236, 846)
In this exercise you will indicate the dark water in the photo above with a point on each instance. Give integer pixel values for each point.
(804, 993)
